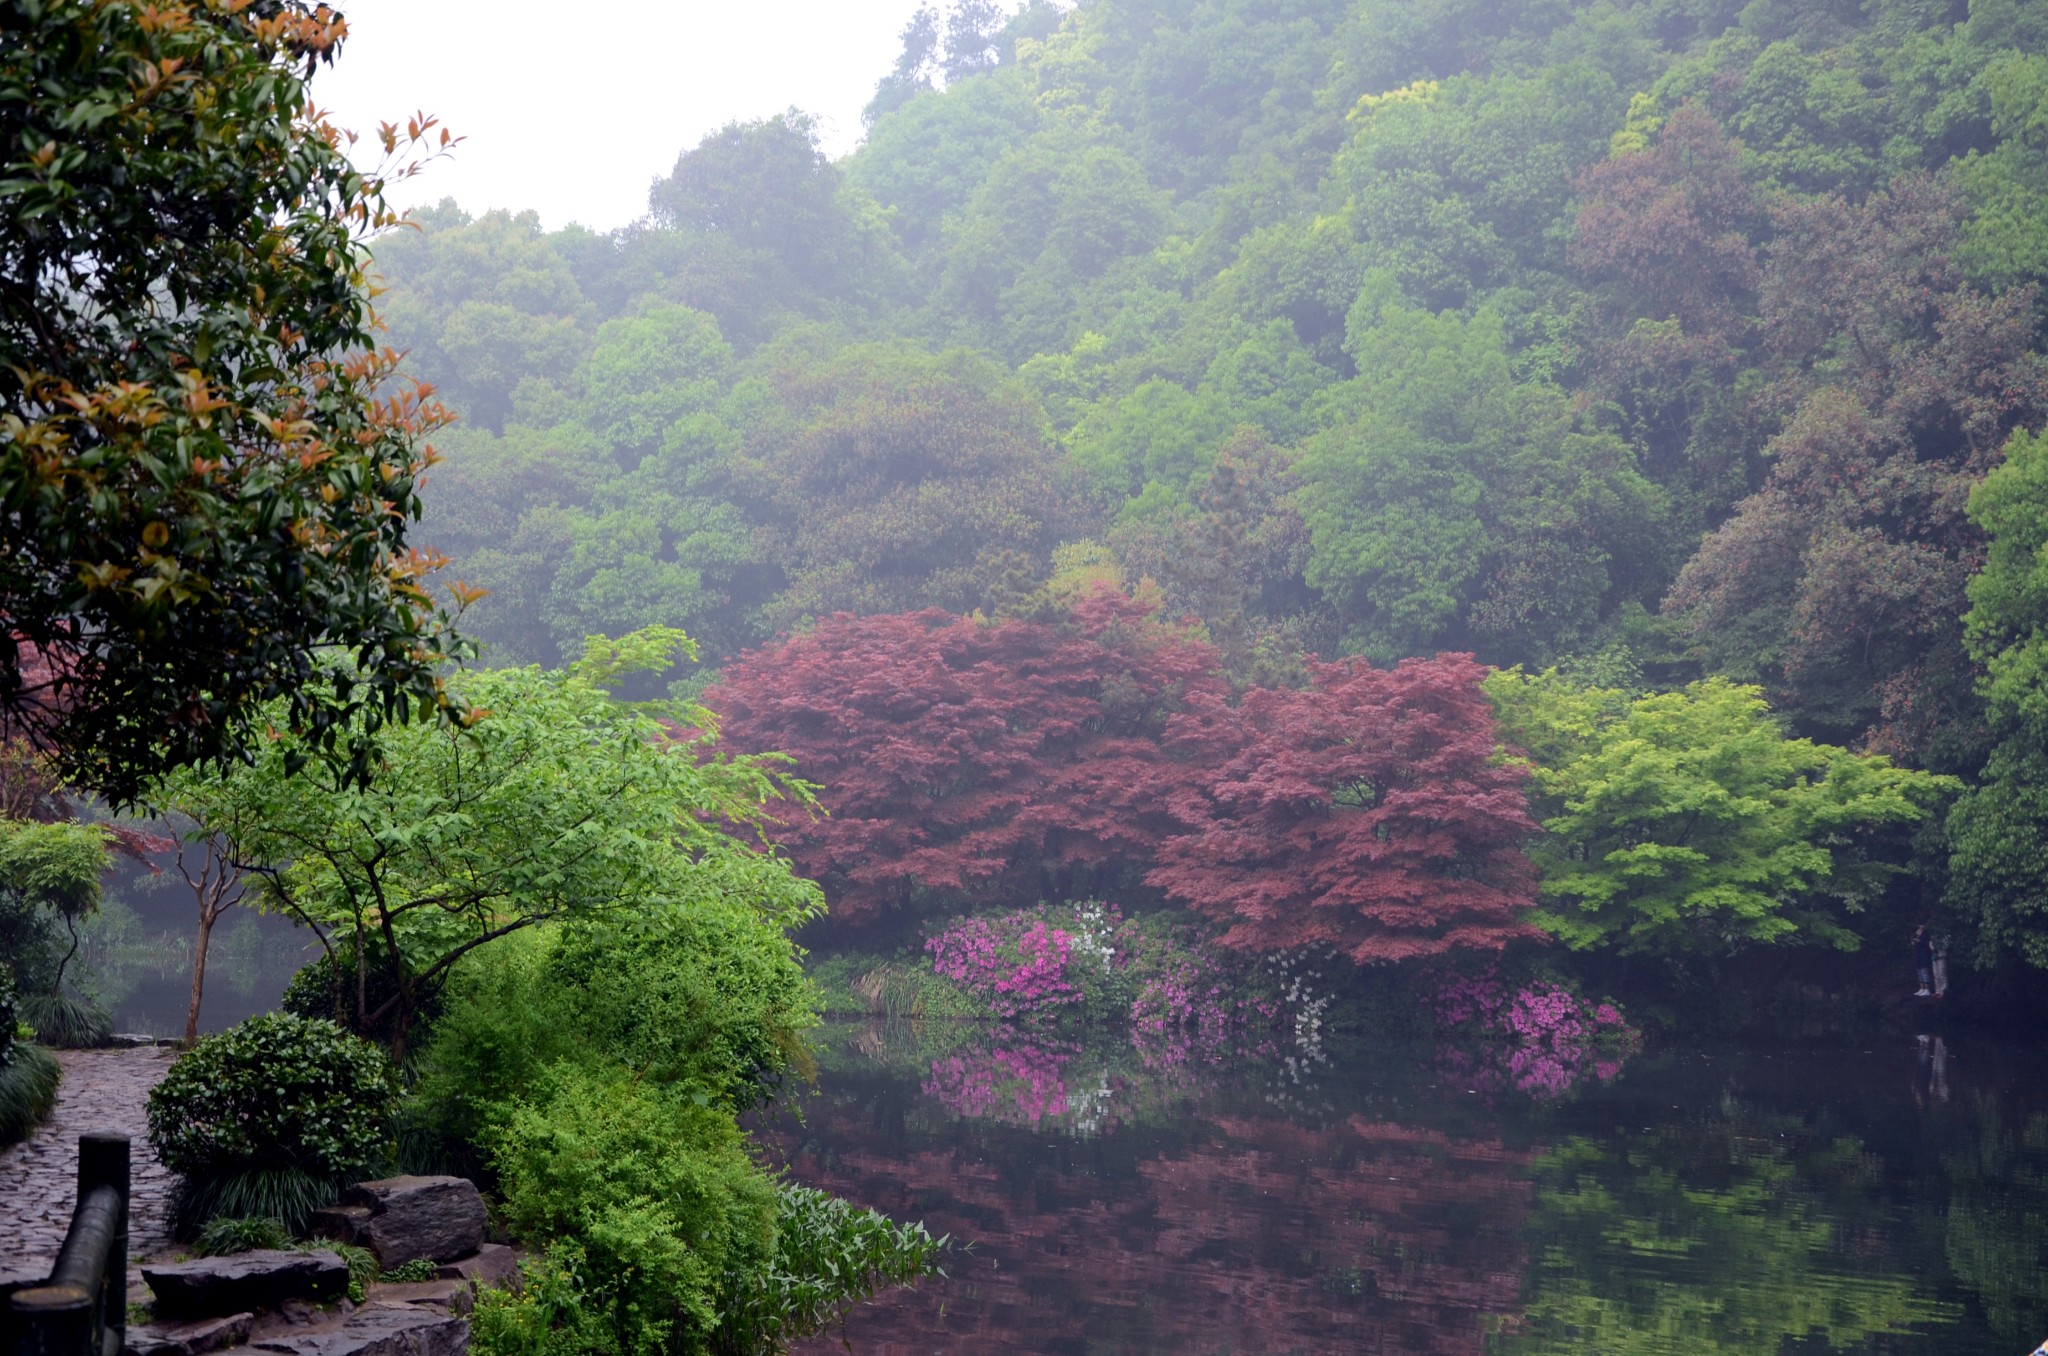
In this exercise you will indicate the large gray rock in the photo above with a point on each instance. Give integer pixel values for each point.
(377, 1330)
(213, 1286)
(196, 1338)
(412, 1218)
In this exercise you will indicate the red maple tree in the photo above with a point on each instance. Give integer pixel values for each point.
(1367, 812)
(1004, 761)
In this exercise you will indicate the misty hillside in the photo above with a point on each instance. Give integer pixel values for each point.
(1654, 339)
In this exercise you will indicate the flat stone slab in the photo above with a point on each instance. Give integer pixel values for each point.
(435, 1219)
(451, 1297)
(264, 1279)
(188, 1339)
(493, 1265)
(377, 1330)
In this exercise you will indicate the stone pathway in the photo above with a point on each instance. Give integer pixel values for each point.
(103, 1090)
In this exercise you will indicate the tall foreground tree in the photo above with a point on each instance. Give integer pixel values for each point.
(1366, 813)
(204, 474)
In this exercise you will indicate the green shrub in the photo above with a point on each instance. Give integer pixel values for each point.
(66, 1021)
(240, 1233)
(712, 996)
(550, 1314)
(28, 1089)
(271, 1117)
(503, 1022)
(654, 1187)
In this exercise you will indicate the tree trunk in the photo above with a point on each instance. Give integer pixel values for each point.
(206, 917)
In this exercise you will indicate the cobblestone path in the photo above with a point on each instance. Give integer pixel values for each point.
(102, 1090)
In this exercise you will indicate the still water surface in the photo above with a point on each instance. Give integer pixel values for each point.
(1883, 1194)
(1886, 1193)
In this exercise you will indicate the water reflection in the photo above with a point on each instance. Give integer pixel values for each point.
(1886, 1198)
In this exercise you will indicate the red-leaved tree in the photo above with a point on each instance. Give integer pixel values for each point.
(1000, 762)
(1367, 813)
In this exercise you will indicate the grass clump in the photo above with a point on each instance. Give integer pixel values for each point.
(28, 1089)
(66, 1021)
(230, 1234)
(419, 1269)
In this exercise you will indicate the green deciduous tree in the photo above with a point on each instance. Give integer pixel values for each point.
(556, 802)
(1998, 871)
(1688, 823)
(1448, 502)
(890, 480)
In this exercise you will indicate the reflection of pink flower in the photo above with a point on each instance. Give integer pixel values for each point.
(1019, 1084)
(1553, 1039)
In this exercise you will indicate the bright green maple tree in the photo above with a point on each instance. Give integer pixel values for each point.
(1688, 822)
(557, 803)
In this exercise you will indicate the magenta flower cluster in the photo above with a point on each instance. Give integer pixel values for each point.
(1553, 1038)
(1016, 964)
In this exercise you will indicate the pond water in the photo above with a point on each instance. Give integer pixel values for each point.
(135, 956)
(1886, 1194)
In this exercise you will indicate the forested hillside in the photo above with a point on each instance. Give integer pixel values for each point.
(1655, 341)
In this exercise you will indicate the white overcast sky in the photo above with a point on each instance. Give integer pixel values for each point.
(573, 108)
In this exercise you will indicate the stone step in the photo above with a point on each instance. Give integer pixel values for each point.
(407, 1219)
(214, 1286)
(195, 1338)
(377, 1329)
(493, 1265)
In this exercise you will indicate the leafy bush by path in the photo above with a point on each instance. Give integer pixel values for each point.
(712, 998)
(271, 1117)
(28, 1089)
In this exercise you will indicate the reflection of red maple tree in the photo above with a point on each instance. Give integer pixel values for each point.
(1368, 813)
(1016, 759)
(1259, 1236)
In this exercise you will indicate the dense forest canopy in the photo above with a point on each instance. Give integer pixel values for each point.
(1659, 342)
